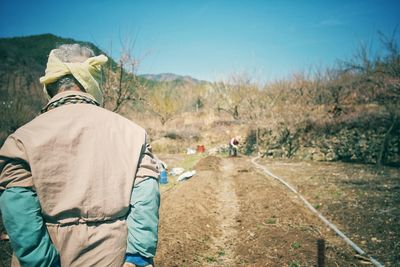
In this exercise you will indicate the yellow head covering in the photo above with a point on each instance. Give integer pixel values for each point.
(88, 73)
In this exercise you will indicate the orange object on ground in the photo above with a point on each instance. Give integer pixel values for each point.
(201, 149)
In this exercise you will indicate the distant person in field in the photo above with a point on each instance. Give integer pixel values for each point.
(233, 146)
(79, 184)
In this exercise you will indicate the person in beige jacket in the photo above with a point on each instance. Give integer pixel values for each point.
(79, 184)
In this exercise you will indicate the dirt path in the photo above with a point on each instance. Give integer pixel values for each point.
(230, 214)
(227, 213)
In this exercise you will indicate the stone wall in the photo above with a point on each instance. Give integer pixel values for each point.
(346, 144)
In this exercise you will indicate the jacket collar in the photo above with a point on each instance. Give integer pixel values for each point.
(70, 93)
(69, 97)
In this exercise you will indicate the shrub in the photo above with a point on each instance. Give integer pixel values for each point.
(172, 135)
(251, 141)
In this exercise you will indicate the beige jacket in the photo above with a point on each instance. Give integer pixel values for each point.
(82, 161)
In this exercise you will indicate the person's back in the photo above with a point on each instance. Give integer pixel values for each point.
(88, 156)
(83, 162)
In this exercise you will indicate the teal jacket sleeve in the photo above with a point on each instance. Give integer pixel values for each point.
(142, 219)
(22, 218)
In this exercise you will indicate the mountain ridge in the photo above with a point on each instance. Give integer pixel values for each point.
(172, 77)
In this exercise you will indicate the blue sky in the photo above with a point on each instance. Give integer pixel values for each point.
(211, 39)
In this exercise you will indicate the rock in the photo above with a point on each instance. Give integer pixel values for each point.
(318, 156)
(331, 156)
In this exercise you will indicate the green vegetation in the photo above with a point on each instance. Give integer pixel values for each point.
(251, 142)
(34, 49)
(296, 245)
(271, 221)
(317, 206)
(294, 264)
(210, 259)
(337, 193)
(221, 253)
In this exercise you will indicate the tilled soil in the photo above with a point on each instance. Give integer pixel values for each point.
(362, 200)
(230, 214)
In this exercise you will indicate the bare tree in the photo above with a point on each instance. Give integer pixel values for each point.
(164, 101)
(122, 85)
(379, 77)
(228, 95)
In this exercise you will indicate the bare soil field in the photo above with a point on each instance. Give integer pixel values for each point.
(232, 214)
(362, 200)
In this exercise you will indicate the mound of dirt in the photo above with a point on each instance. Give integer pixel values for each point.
(210, 163)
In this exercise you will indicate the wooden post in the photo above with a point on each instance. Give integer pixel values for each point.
(321, 252)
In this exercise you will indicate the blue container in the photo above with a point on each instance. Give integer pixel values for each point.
(163, 177)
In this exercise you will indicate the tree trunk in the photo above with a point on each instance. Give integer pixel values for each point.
(235, 113)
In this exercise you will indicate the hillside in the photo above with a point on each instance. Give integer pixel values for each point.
(23, 60)
(33, 49)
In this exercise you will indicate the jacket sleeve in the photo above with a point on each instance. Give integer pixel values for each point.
(142, 219)
(20, 208)
(14, 167)
(23, 221)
